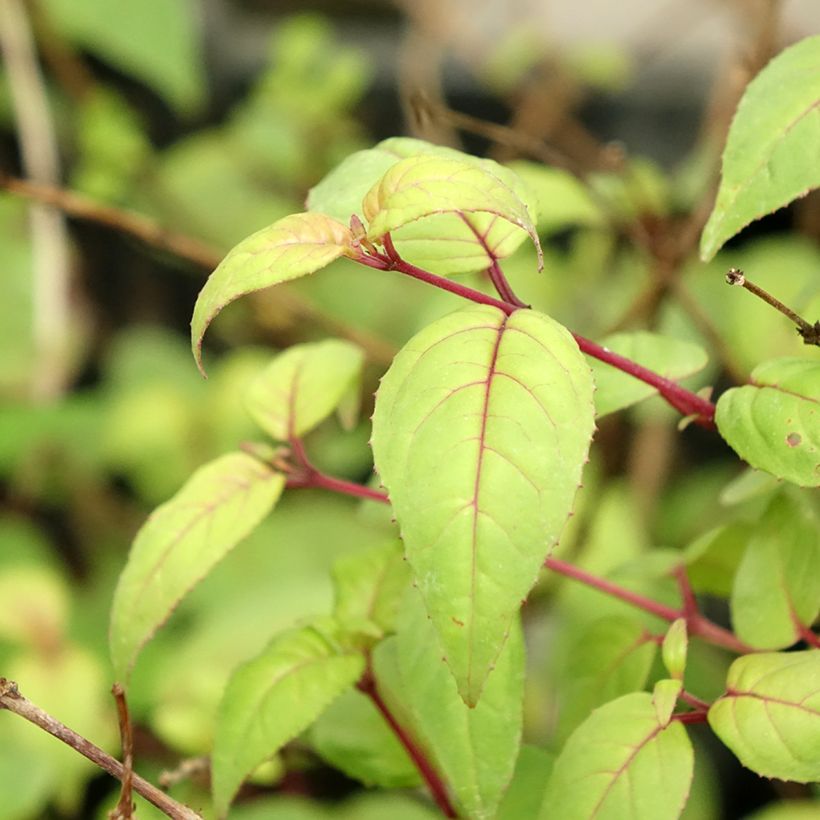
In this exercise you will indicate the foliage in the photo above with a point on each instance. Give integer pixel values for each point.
(475, 607)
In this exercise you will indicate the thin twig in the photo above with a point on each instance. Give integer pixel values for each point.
(13, 701)
(187, 248)
(38, 149)
(124, 810)
(809, 332)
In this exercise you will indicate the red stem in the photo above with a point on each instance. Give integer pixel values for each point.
(368, 686)
(690, 717)
(696, 623)
(684, 401)
(694, 702)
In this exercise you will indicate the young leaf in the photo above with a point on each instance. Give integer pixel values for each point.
(480, 432)
(770, 714)
(422, 186)
(447, 243)
(777, 585)
(181, 542)
(774, 422)
(622, 762)
(664, 697)
(354, 737)
(775, 129)
(369, 586)
(474, 750)
(302, 386)
(292, 247)
(272, 698)
(672, 358)
(673, 651)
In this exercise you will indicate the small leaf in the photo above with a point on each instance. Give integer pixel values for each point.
(671, 358)
(303, 386)
(664, 697)
(370, 585)
(774, 423)
(447, 243)
(474, 750)
(272, 698)
(777, 585)
(292, 247)
(775, 130)
(181, 542)
(770, 714)
(622, 762)
(426, 185)
(674, 648)
(480, 433)
(354, 737)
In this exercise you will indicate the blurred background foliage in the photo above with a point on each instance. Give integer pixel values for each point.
(196, 123)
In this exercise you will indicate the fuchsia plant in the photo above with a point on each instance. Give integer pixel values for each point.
(480, 434)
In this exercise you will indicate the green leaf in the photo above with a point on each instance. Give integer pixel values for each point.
(303, 386)
(272, 698)
(671, 358)
(622, 762)
(777, 585)
(423, 186)
(712, 560)
(664, 697)
(354, 737)
(447, 243)
(526, 791)
(158, 41)
(775, 133)
(673, 651)
(369, 587)
(181, 542)
(292, 247)
(610, 658)
(788, 810)
(770, 714)
(774, 422)
(480, 432)
(474, 750)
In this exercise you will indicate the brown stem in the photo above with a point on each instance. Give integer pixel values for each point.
(185, 247)
(11, 699)
(809, 332)
(431, 777)
(124, 809)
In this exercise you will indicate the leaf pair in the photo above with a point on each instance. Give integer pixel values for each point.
(476, 203)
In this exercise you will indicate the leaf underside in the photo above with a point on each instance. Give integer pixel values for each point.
(295, 246)
(480, 432)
